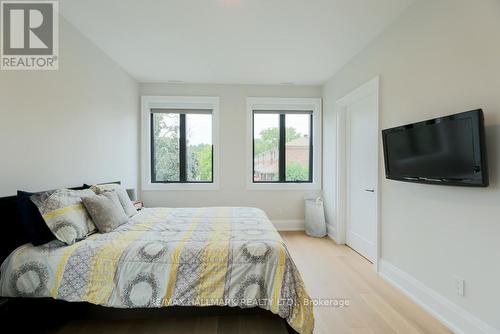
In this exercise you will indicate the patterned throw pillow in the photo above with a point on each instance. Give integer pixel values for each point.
(125, 201)
(64, 213)
(106, 211)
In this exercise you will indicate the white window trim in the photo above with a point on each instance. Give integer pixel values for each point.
(286, 104)
(177, 102)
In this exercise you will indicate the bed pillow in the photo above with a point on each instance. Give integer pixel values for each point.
(32, 223)
(125, 201)
(64, 213)
(106, 211)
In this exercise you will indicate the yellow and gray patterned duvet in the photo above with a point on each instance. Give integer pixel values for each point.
(162, 257)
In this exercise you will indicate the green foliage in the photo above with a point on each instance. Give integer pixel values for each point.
(269, 139)
(166, 160)
(296, 172)
(200, 162)
(199, 157)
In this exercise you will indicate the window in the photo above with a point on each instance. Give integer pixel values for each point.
(180, 149)
(285, 143)
(282, 146)
(181, 146)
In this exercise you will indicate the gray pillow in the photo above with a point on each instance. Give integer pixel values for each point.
(125, 201)
(106, 211)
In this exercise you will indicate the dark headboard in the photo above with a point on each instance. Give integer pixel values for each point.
(11, 232)
(11, 235)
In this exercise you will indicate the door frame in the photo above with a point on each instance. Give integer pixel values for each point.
(342, 155)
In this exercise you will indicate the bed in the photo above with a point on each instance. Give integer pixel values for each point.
(164, 257)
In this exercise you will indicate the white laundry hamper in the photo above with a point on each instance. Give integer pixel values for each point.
(315, 217)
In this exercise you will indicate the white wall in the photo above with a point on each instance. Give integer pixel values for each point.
(279, 205)
(440, 57)
(62, 128)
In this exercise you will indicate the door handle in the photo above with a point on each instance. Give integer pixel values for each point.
(370, 190)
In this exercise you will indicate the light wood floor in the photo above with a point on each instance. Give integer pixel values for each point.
(329, 271)
(333, 271)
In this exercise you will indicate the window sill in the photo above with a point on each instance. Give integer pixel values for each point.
(283, 186)
(179, 186)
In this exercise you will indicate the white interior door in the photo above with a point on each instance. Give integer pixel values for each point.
(362, 169)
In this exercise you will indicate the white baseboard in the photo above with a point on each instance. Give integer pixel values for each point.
(289, 225)
(450, 314)
(331, 235)
(331, 232)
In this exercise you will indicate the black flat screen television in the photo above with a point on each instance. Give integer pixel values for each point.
(449, 150)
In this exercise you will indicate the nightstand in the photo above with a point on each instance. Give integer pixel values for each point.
(138, 205)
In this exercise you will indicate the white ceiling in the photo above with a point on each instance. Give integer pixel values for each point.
(232, 41)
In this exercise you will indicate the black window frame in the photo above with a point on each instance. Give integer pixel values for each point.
(182, 146)
(282, 146)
